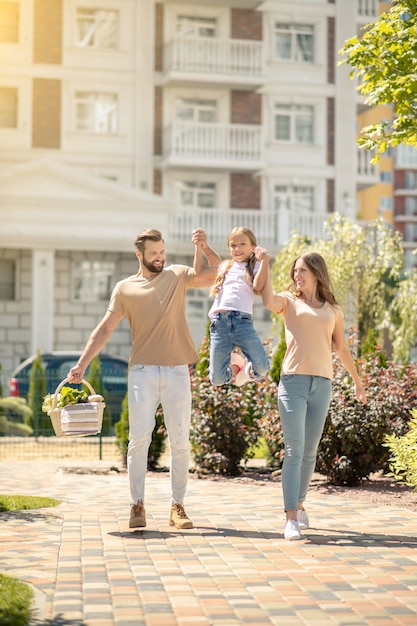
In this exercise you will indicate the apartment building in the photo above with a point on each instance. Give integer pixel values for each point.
(118, 115)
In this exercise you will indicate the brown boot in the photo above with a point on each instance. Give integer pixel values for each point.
(178, 517)
(137, 515)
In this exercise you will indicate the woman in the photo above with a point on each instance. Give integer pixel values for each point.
(313, 327)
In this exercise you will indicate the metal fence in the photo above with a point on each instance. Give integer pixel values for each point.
(90, 448)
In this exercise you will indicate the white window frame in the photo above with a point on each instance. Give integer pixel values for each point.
(411, 211)
(197, 107)
(197, 190)
(12, 113)
(99, 18)
(104, 118)
(292, 197)
(8, 288)
(294, 114)
(295, 33)
(92, 280)
(195, 26)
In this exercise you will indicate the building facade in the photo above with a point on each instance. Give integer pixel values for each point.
(119, 115)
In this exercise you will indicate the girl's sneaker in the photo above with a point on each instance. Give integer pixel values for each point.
(245, 374)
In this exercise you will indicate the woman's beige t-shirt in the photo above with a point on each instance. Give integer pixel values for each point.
(308, 335)
(155, 311)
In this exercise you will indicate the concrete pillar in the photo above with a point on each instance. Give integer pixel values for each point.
(43, 272)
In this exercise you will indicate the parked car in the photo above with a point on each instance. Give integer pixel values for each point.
(57, 364)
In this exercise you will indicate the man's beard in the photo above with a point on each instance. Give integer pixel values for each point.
(151, 267)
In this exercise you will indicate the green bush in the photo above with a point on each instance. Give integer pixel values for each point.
(10, 409)
(15, 602)
(225, 420)
(96, 381)
(352, 445)
(403, 454)
(157, 447)
(41, 422)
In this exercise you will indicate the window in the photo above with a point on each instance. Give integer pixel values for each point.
(294, 123)
(294, 42)
(93, 281)
(8, 107)
(196, 304)
(410, 233)
(96, 112)
(188, 26)
(385, 177)
(189, 110)
(97, 28)
(385, 203)
(411, 207)
(9, 22)
(299, 199)
(411, 180)
(201, 195)
(7, 279)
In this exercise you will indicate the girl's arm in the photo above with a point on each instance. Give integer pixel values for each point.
(345, 356)
(262, 275)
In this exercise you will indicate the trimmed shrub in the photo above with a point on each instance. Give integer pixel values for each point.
(95, 379)
(352, 445)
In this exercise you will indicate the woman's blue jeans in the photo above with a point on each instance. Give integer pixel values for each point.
(303, 405)
(233, 329)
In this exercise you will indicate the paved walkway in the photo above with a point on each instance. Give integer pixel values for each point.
(356, 565)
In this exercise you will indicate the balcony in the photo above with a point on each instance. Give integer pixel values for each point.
(272, 228)
(367, 173)
(234, 62)
(220, 146)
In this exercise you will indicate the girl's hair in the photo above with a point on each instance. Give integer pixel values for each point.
(241, 230)
(317, 265)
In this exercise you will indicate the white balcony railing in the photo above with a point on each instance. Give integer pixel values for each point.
(221, 142)
(208, 55)
(272, 228)
(368, 8)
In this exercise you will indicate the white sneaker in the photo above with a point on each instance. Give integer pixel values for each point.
(245, 374)
(292, 530)
(302, 518)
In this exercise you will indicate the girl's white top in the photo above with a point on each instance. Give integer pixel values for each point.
(236, 292)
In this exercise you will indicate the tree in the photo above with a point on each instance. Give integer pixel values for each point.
(365, 263)
(384, 60)
(37, 391)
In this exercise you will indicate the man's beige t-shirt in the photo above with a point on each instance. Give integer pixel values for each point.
(308, 335)
(155, 311)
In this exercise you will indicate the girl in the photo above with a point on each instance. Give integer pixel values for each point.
(231, 313)
(313, 326)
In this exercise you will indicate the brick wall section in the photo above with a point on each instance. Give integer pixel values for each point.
(246, 24)
(245, 191)
(330, 131)
(330, 196)
(246, 107)
(330, 50)
(46, 113)
(157, 137)
(159, 37)
(157, 182)
(47, 31)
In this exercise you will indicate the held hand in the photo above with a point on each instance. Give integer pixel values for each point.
(75, 375)
(199, 237)
(360, 393)
(261, 253)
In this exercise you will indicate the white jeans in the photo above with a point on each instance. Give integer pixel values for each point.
(149, 386)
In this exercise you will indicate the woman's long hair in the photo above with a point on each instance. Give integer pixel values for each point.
(317, 265)
(225, 267)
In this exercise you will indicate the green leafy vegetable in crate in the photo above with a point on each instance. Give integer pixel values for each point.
(66, 396)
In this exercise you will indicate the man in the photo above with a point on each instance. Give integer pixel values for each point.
(153, 302)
